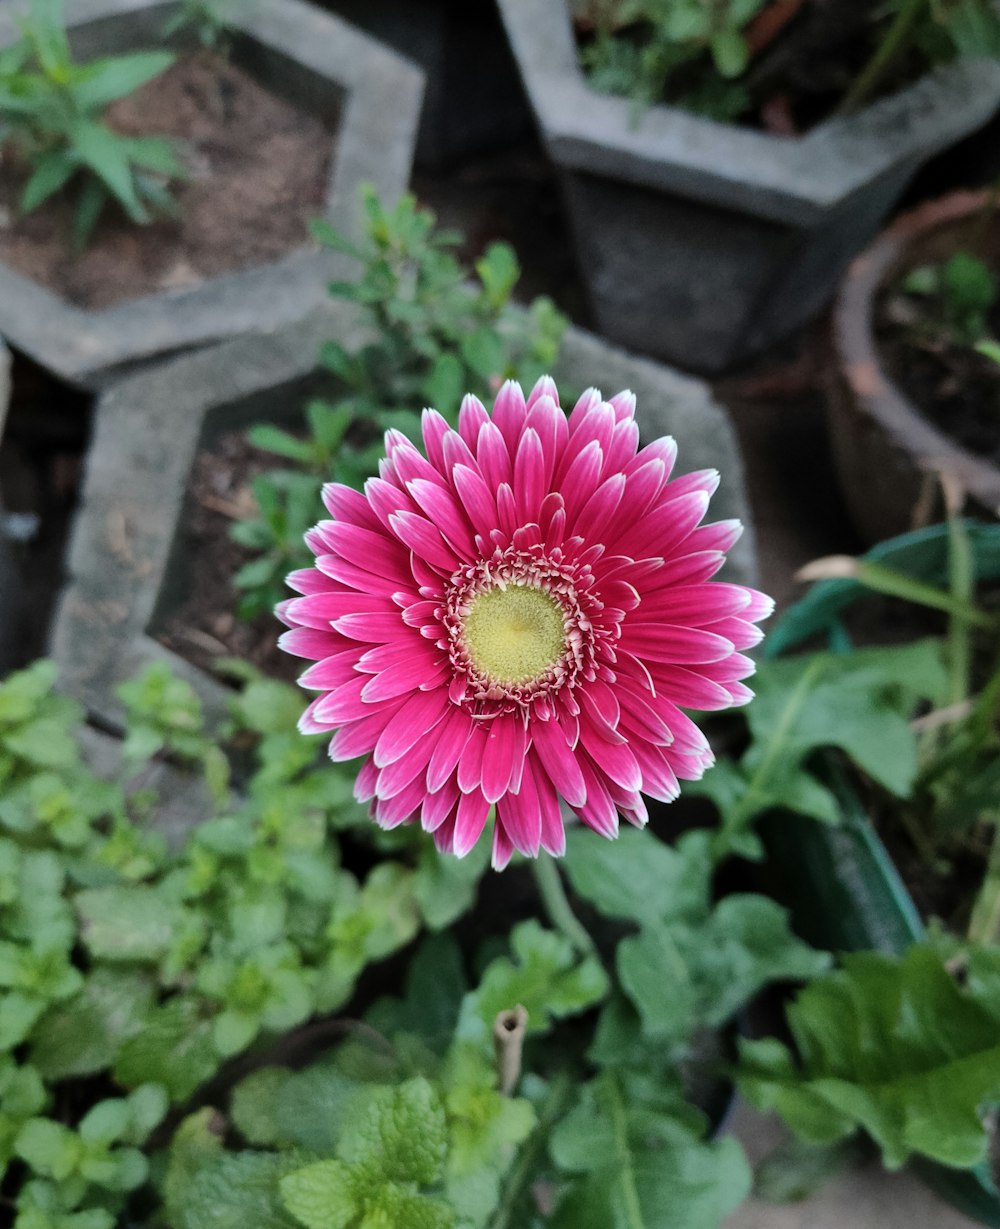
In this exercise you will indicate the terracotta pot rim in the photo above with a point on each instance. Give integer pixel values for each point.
(874, 392)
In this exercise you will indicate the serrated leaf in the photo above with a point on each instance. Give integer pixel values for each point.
(398, 1133)
(321, 1196)
(891, 1045)
(683, 977)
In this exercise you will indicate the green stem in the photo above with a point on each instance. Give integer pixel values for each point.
(984, 925)
(880, 579)
(552, 1109)
(892, 45)
(632, 1208)
(553, 896)
(961, 581)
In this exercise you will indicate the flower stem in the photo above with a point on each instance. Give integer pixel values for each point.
(549, 1112)
(553, 896)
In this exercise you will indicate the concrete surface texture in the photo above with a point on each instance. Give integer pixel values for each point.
(863, 1198)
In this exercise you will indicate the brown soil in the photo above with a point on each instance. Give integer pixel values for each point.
(953, 386)
(257, 170)
(206, 627)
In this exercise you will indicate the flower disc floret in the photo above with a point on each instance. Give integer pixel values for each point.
(516, 617)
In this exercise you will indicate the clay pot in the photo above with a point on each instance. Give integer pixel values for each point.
(888, 456)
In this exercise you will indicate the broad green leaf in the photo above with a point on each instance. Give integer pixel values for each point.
(233, 1191)
(278, 1108)
(446, 887)
(102, 81)
(128, 923)
(174, 1049)
(637, 877)
(433, 990)
(322, 1195)
(83, 1036)
(398, 1134)
(686, 977)
(642, 1168)
(891, 1045)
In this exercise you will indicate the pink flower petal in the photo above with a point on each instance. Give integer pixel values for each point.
(470, 819)
(559, 762)
(419, 713)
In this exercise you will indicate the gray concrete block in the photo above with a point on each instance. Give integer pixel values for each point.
(700, 242)
(126, 562)
(319, 63)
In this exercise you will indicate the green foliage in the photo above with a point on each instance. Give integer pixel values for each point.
(188, 957)
(892, 1045)
(438, 331)
(51, 108)
(693, 962)
(860, 702)
(697, 55)
(639, 1165)
(204, 20)
(683, 50)
(956, 297)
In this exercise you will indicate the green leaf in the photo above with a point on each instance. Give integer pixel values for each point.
(106, 155)
(272, 439)
(52, 171)
(44, 742)
(546, 979)
(683, 977)
(128, 923)
(433, 991)
(636, 877)
(730, 53)
(643, 1168)
(398, 1133)
(232, 1191)
(891, 1045)
(446, 887)
(174, 1049)
(284, 1109)
(102, 81)
(322, 1195)
(83, 1036)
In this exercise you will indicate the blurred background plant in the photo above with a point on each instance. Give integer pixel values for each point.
(438, 331)
(711, 58)
(50, 113)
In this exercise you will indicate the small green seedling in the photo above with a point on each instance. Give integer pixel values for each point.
(51, 110)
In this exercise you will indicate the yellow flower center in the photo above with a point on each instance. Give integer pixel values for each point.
(515, 634)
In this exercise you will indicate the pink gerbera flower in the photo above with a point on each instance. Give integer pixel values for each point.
(517, 618)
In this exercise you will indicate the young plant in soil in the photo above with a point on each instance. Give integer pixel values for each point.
(51, 112)
(938, 328)
(783, 63)
(213, 1034)
(438, 330)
